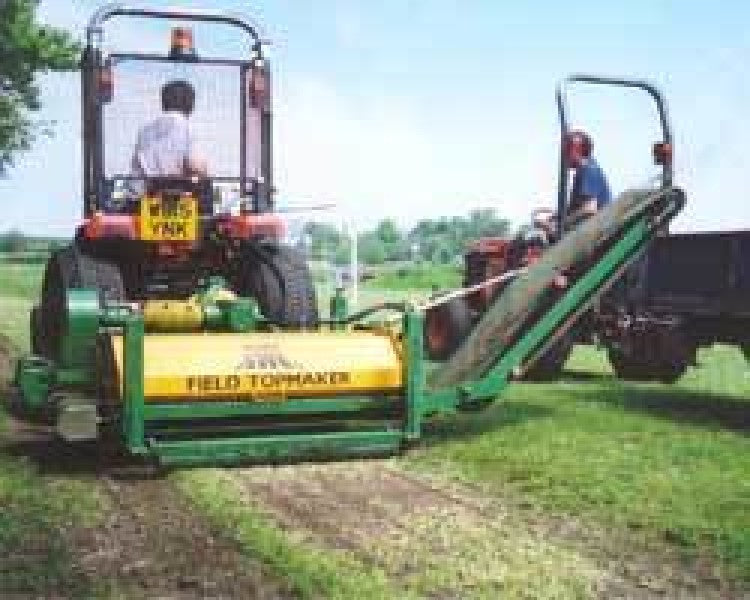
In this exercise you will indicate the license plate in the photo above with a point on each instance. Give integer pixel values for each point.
(169, 220)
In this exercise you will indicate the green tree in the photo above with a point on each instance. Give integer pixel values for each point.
(370, 248)
(324, 237)
(27, 48)
(444, 238)
(388, 231)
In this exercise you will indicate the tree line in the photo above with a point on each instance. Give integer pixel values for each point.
(439, 241)
(15, 241)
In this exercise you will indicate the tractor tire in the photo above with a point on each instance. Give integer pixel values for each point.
(280, 281)
(67, 269)
(445, 327)
(35, 331)
(550, 365)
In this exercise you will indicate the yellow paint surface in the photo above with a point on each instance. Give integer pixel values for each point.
(265, 366)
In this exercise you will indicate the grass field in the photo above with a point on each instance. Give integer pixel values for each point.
(418, 277)
(669, 463)
(606, 468)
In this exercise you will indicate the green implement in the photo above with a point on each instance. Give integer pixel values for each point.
(84, 392)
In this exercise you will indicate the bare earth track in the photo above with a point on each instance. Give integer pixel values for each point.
(149, 543)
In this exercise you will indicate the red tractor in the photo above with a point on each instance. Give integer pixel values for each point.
(491, 263)
(145, 237)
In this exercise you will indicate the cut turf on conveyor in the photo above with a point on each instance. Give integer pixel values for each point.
(520, 305)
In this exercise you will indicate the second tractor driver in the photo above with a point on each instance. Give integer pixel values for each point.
(590, 190)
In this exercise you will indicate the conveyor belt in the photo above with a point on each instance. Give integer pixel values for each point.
(528, 301)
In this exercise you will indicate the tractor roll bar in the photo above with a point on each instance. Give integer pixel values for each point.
(118, 9)
(562, 108)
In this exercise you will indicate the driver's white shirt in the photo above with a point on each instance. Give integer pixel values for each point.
(163, 147)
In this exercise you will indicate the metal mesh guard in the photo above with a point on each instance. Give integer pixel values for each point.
(136, 101)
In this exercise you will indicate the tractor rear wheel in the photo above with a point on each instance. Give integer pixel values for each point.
(67, 269)
(280, 281)
(35, 331)
(446, 326)
(549, 366)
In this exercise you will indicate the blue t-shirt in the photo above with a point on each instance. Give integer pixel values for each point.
(589, 181)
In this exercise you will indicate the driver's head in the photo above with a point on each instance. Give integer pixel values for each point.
(178, 96)
(578, 147)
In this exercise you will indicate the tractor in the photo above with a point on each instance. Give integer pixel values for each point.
(164, 237)
(491, 263)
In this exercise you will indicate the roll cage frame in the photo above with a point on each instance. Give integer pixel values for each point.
(258, 191)
(662, 149)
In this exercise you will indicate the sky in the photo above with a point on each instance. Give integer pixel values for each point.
(412, 109)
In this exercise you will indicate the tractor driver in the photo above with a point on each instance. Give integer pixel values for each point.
(590, 190)
(164, 147)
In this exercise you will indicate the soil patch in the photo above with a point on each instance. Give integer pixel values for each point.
(154, 545)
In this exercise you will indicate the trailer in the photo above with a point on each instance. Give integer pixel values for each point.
(690, 291)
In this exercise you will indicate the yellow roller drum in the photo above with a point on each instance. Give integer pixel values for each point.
(263, 366)
(172, 315)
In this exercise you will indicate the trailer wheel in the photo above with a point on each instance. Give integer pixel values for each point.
(279, 279)
(635, 370)
(627, 368)
(663, 355)
(68, 269)
(446, 326)
(670, 373)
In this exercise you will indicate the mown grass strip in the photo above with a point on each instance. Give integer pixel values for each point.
(313, 572)
(668, 462)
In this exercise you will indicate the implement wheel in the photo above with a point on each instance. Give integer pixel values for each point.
(445, 327)
(279, 279)
(68, 269)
